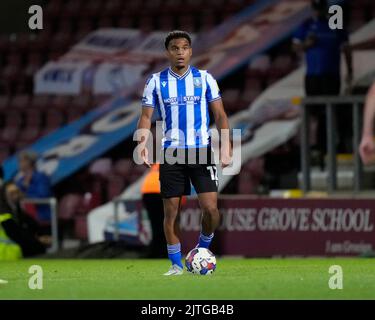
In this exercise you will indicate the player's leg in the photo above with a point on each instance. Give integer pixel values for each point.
(210, 218)
(171, 231)
(174, 182)
(171, 209)
(205, 181)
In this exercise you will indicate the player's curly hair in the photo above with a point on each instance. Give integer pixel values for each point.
(176, 34)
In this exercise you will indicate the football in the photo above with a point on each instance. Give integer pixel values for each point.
(200, 261)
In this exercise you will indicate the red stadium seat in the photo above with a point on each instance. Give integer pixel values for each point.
(105, 22)
(69, 205)
(272, 78)
(54, 55)
(253, 84)
(172, 6)
(206, 21)
(150, 7)
(21, 101)
(46, 131)
(14, 58)
(81, 102)
(54, 118)
(4, 43)
(13, 118)
(60, 42)
(34, 63)
(230, 98)
(53, 8)
(123, 167)
(91, 9)
(9, 134)
(125, 21)
(186, 22)
(29, 134)
(72, 115)
(42, 41)
(101, 167)
(61, 102)
(4, 102)
(249, 96)
(22, 42)
(80, 227)
(100, 99)
(4, 153)
(41, 102)
(116, 186)
(245, 184)
(282, 65)
(20, 145)
(166, 23)
(9, 77)
(33, 118)
(71, 9)
(146, 23)
(84, 25)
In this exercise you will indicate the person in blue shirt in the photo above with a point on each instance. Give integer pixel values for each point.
(323, 47)
(34, 184)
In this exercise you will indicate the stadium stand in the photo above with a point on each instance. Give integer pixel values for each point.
(25, 117)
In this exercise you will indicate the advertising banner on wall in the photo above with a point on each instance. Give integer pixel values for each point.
(61, 77)
(263, 227)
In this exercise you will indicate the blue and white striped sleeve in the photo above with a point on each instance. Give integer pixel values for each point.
(149, 93)
(213, 91)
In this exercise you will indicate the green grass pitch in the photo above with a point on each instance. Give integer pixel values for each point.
(234, 279)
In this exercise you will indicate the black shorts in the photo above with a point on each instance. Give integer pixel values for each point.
(175, 178)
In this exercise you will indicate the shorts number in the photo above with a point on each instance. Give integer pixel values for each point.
(213, 172)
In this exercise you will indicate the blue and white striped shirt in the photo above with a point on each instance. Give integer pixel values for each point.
(182, 102)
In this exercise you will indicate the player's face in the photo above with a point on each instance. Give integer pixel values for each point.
(179, 53)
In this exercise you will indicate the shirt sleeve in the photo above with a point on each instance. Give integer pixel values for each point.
(149, 93)
(213, 91)
(300, 34)
(40, 186)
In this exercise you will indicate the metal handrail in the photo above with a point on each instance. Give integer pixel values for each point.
(52, 202)
(330, 101)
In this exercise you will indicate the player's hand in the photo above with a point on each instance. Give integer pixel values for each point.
(144, 157)
(310, 41)
(367, 149)
(226, 160)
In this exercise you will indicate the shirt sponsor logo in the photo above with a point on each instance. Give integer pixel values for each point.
(181, 100)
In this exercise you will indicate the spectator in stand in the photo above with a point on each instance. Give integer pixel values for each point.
(323, 47)
(17, 227)
(34, 184)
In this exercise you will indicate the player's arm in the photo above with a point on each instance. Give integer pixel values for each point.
(367, 146)
(213, 97)
(302, 40)
(222, 125)
(143, 127)
(145, 119)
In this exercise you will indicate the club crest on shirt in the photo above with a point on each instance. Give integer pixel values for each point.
(197, 82)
